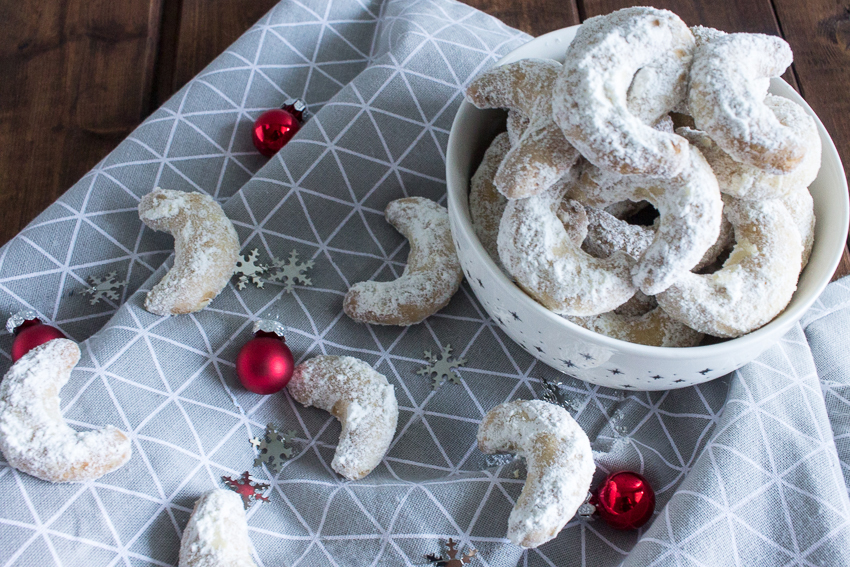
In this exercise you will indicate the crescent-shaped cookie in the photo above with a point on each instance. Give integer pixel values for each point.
(539, 250)
(540, 155)
(217, 533)
(206, 250)
(430, 279)
(559, 461)
(726, 99)
(755, 283)
(360, 398)
(591, 94)
(34, 437)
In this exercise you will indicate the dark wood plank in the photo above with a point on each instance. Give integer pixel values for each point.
(820, 38)
(205, 30)
(819, 34)
(732, 16)
(534, 17)
(74, 81)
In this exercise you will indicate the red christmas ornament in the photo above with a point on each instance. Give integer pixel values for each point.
(264, 365)
(624, 501)
(30, 332)
(274, 128)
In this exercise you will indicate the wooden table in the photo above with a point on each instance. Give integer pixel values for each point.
(78, 75)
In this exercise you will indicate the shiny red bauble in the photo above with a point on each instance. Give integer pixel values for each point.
(624, 500)
(264, 365)
(273, 129)
(30, 334)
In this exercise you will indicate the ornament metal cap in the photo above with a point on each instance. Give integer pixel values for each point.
(269, 326)
(19, 319)
(298, 108)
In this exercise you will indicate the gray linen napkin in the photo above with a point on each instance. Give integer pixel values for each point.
(750, 469)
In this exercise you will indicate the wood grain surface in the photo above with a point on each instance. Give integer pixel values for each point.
(78, 75)
(67, 93)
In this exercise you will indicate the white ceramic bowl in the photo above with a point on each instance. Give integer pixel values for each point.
(597, 358)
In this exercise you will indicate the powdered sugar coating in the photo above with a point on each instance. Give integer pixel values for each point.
(589, 101)
(540, 155)
(486, 203)
(517, 123)
(747, 182)
(34, 437)
(430, 279)
(206, 249)
(537, 250)
(607, 234)
(559, 461)
(360, 398)
(726, 99)
(217, 533)
(755, 283)
(654, 328)
(801, 206)
(574, 218)
(690, 214)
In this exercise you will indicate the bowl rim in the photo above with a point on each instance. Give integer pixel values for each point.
(764, 335)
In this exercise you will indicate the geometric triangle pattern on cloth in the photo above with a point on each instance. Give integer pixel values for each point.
(750, 469)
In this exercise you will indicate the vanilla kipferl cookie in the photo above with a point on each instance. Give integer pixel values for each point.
(538, 251)
(217, 533)
(801, 206)
(744, 181)
(206, 250)
(607, 234)
(690, 216)
(486, 203)
(726, 100)
(517, 123)
(654, 328)
(559, 462)
(590, 96)
(755, 283)
(360, 398)
(430, 279)
(540, 155)
(34, 437)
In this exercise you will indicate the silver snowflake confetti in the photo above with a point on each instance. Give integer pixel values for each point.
(290, 271)
(442, 366)
(554, 393)
(104, 287)
(249, 270)
(499, 459)
(273, 448)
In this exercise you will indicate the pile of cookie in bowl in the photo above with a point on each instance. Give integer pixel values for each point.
(648, 190)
